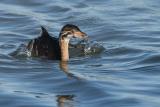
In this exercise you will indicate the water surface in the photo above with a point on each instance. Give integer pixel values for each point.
(126, 74)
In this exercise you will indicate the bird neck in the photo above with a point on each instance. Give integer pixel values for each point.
(64, 42)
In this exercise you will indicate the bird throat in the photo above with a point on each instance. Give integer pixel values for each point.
(64, 45)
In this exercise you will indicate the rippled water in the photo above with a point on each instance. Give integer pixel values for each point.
(126, 74)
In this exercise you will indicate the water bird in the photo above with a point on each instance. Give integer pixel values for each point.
(52, 47)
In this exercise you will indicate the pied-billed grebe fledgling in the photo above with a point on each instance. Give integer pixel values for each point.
(55, 48)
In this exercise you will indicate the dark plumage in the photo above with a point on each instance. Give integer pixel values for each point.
(48, 46)
(45, 46)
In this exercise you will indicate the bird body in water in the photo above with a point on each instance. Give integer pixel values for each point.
(55, 48)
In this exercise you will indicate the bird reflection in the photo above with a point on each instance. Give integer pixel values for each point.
(65, 100)
(64, 67)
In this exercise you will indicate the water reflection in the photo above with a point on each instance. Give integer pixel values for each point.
(64, 67)
(65, 100)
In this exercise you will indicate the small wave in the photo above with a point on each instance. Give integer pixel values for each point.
(122, 51)
(149, 61)
(20, 52)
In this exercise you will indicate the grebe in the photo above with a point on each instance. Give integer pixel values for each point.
(55, 48)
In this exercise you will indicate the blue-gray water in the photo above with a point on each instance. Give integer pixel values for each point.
(126, 74)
